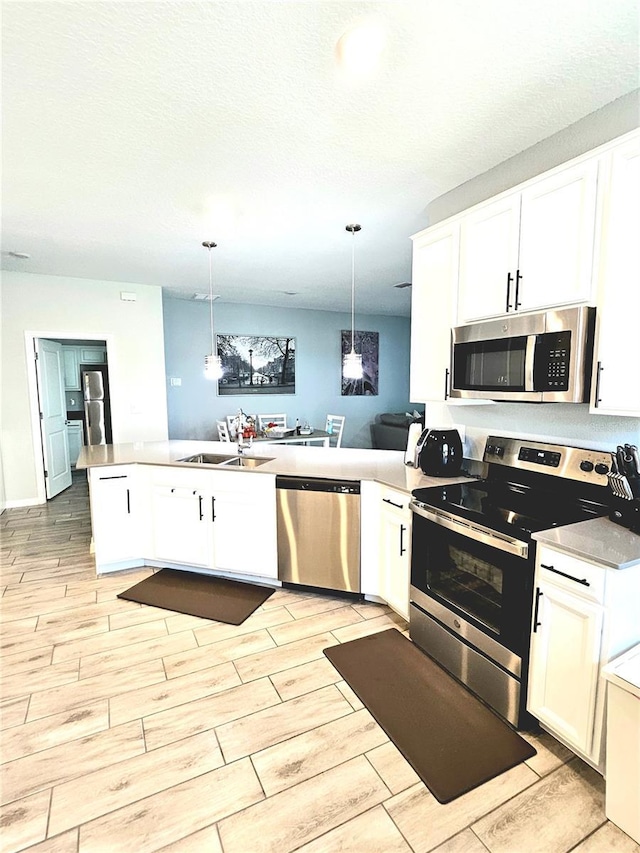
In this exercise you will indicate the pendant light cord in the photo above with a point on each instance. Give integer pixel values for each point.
(353, 288)
(211, 300)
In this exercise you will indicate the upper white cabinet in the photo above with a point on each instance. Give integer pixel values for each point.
(433, 300)
(71, 368)
(530, 249)
(616, 386)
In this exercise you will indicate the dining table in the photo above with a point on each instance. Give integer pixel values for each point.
(316, 436)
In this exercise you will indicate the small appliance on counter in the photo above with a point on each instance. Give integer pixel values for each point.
(439, 452)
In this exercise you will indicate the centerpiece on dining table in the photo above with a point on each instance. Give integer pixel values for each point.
(273, 430)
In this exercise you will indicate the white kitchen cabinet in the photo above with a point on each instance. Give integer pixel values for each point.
(584, 615)
(616, 385)
(119, 516)
(182, 516)
(92, 355)
(75, 440)
(530, 249)
(433, 300)
(395, 549)
(71, 368)
(244, 509)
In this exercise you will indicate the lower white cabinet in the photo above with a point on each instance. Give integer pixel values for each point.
(584, 615)
(182, 513)
(395, 550)
(119, 516)
(74, 436)
(244, 509)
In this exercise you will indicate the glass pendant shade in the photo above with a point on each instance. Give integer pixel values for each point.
(213, 368)
(352, 365)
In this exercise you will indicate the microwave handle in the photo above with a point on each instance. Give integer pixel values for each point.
(529, 360)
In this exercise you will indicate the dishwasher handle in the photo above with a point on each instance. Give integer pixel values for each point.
(318, 484)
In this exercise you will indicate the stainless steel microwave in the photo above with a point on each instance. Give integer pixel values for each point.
(542, 357)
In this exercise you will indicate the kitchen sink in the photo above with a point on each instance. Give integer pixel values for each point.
(208, 459)
(247, 461)
(227, 461)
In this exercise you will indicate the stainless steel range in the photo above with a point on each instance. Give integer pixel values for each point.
(473, 558)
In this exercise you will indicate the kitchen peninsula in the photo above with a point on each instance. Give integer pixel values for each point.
(151, 507)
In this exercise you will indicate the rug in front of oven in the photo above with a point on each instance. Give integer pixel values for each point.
(452, 741)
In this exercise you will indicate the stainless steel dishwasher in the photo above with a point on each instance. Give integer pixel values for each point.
(319, 532)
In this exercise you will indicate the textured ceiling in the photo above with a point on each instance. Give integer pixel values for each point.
(133, 131)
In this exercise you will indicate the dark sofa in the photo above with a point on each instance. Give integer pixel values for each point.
(390, 430)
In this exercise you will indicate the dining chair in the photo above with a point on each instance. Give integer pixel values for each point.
(223, 431)
(278, 420)
(335, 426)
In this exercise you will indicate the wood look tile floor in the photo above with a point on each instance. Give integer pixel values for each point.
(130, 728)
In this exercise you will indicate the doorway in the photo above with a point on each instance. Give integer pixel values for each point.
(63, 419)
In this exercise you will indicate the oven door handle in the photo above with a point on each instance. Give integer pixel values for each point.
(472, 531)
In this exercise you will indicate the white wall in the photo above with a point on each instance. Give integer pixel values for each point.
(54, 306)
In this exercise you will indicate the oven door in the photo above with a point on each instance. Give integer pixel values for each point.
(476, 582)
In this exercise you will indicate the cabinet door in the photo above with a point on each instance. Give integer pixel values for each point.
(557, 225)
(182, 525)
(395, 550)
(117, 515)
(92, 355)
(435, 278)
(616, 386)
(565, 665)
(245, 523)
(74, 434)
(488, 260)
(71, 368)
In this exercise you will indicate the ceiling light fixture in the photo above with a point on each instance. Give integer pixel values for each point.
(212, 364)
(360, 49)
(352, 361)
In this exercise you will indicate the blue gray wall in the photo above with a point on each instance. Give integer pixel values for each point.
(194, 406)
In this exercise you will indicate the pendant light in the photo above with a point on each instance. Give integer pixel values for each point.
(352, 361)
(212, 365)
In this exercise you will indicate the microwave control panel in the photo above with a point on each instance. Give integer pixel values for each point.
(553, 352)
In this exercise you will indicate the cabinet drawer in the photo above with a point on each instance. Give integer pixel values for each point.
(570, 573)
(393, 499)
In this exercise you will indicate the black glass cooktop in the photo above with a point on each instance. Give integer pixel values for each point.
(509, 508)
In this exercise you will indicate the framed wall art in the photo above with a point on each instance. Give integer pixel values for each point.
(256, 364)
(367, 344)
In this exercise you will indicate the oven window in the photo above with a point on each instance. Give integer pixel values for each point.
(471, 583)
(490, 365)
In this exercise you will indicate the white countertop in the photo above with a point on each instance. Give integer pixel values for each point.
(383, 466)
(624, 671)
(599, 540)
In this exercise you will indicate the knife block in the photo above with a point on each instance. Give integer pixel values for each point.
(626, 513)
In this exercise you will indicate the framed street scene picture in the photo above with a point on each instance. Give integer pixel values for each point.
(256, 364)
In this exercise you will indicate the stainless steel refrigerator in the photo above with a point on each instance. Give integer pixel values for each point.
(95, 389)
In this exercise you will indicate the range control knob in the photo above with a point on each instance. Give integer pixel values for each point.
(601, 468)
(585, 465)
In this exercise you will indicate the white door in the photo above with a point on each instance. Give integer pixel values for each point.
(53, 415)
(395, 536)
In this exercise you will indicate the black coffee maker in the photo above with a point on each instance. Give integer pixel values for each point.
(439, 452)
